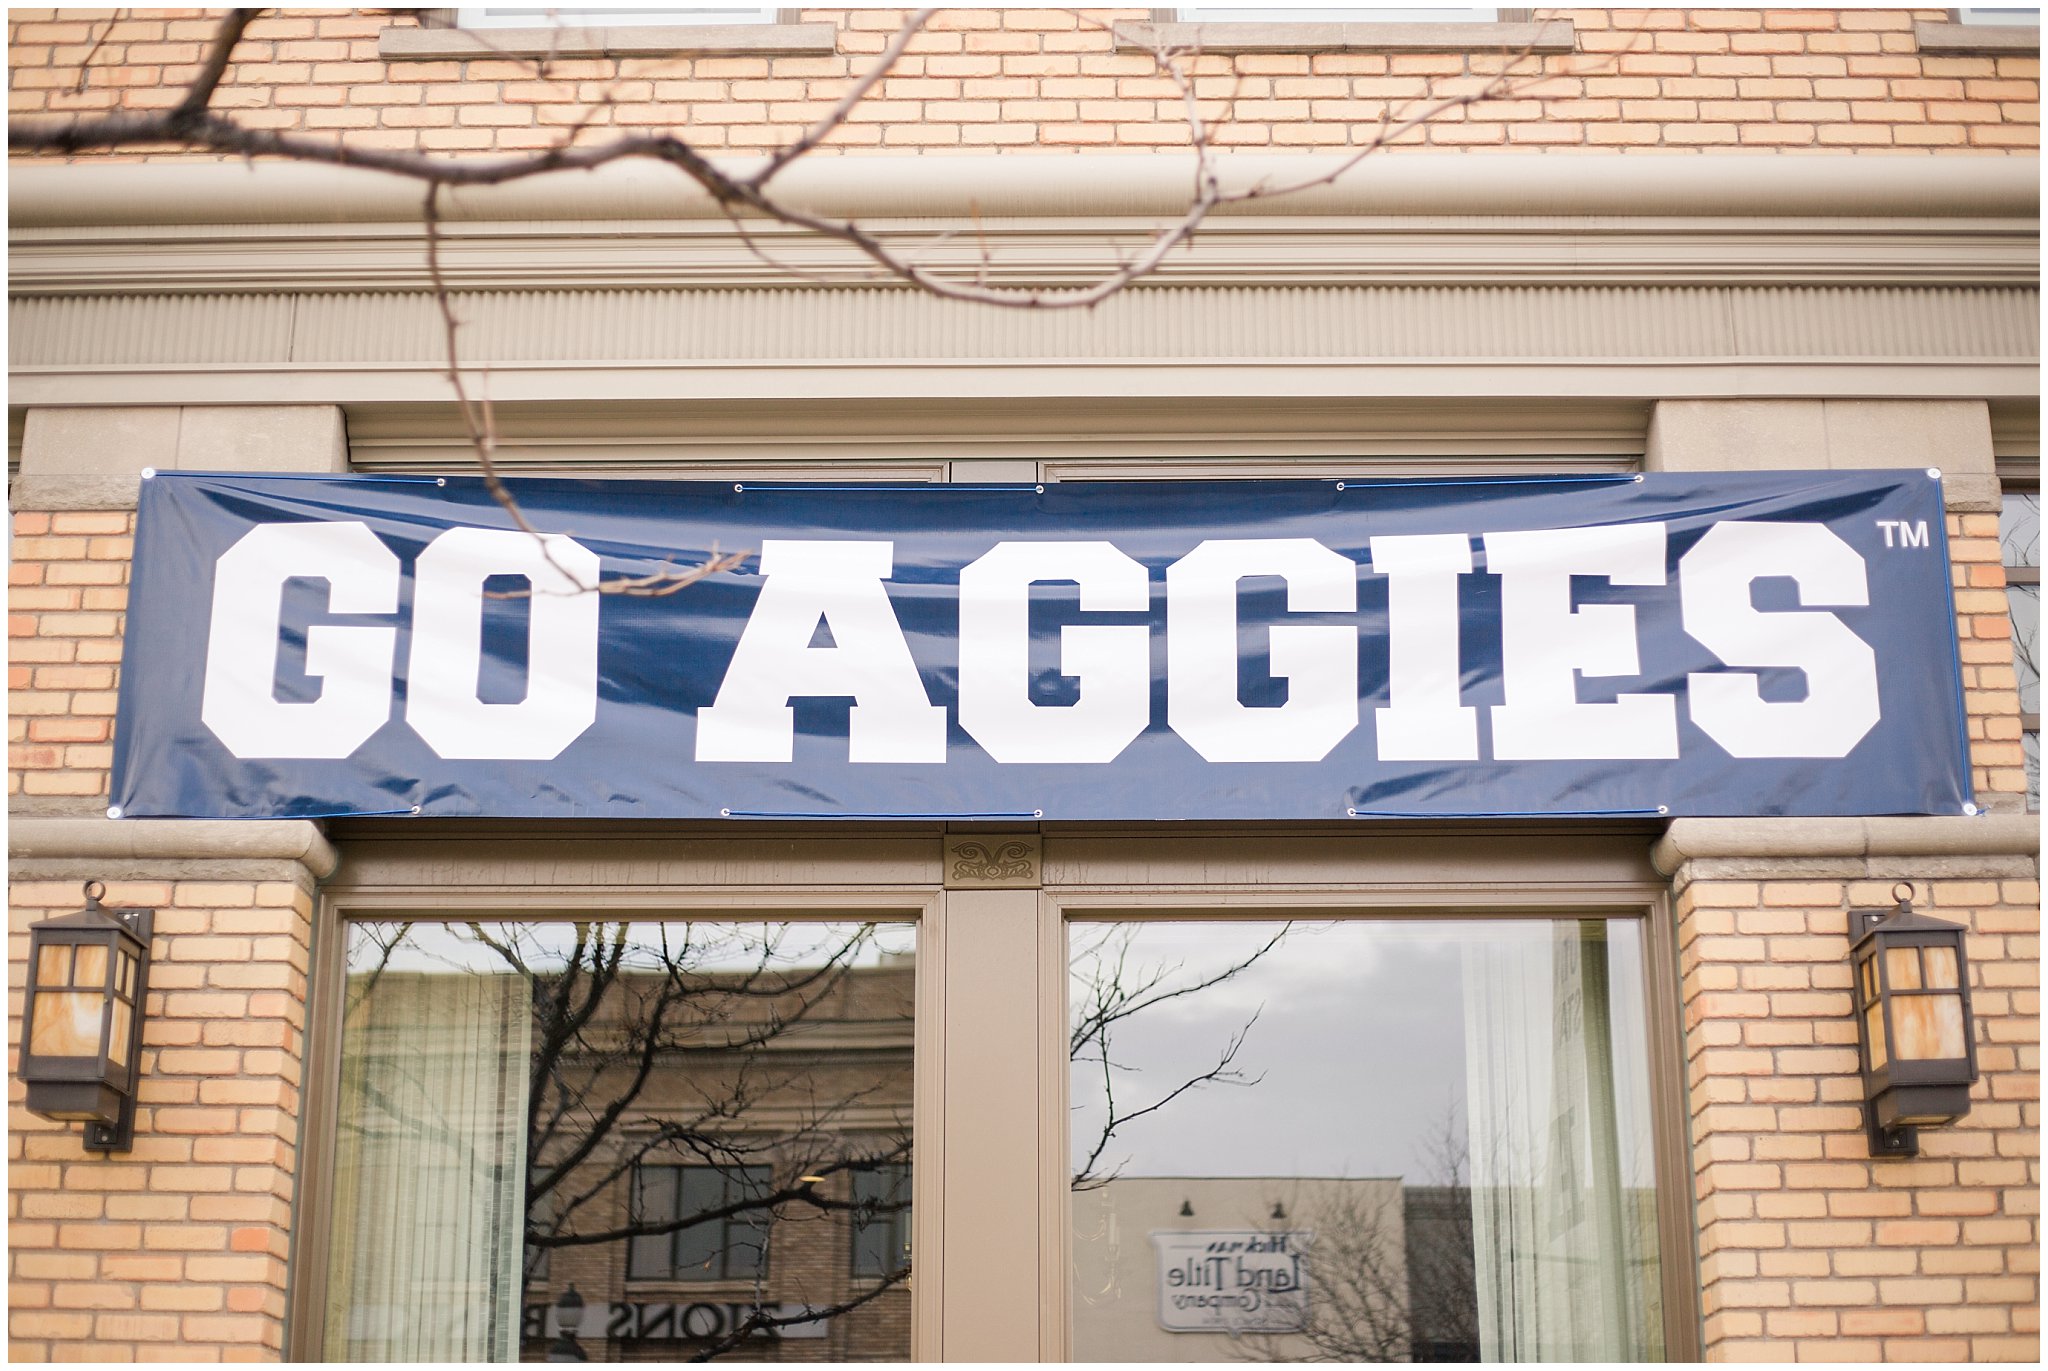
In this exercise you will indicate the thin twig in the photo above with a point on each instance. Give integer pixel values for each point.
(839, 113)
(479, 422)
(85, 62)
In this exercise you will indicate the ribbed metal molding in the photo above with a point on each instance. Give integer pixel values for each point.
(1610, 321)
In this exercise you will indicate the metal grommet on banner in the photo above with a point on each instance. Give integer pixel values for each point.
(113, 811)
(1972, 810)
(1637, 478)
(441, 480)
(738, 488)
(149, 473)
(1934, 473)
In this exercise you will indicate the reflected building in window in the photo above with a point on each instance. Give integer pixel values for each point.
(701, 1130)
(1483, 1082)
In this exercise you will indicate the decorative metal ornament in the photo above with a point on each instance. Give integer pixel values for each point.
(81, 1054)
(1910, 982)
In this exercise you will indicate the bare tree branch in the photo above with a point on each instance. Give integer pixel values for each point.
(192, 125)
(199, 94)
(1107, 993)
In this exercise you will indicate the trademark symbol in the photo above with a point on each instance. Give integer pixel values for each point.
(1904, 533)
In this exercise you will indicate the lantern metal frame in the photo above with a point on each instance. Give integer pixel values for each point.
(1907, 1088)
(97, 1090)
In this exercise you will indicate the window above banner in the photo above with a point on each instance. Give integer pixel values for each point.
(1764, 643)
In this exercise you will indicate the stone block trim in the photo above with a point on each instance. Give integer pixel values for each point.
(176, 1250)
(1665, 81)
(1809, 1248)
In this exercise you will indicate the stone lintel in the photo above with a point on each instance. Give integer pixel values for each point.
(1771, 845)
(1950, 436)
(94, 457)
(132, 849)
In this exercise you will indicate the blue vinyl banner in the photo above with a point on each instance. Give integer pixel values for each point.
(1727, 644)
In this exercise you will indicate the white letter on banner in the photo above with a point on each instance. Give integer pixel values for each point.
(1110, 660)
(1545, 643)
(352, 664)
(447, 645)
(1320, 662)
(892, 719)
(1714, 581)
(1423, 721)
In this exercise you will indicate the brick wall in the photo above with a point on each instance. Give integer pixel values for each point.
(176, 1250)
(1049, 81)
(1809, 1247)
(67, 590)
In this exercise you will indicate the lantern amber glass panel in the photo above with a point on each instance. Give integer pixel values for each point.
(1925, 1027)
(71, 990)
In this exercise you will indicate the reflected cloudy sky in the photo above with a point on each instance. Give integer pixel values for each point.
(1358, 1047)
(428, 945)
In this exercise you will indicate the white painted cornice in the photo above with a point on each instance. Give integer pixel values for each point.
(1048, 220)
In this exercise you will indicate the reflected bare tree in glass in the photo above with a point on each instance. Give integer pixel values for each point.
(1107, 989)
(1392, 1276)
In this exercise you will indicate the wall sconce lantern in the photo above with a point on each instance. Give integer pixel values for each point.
(1911, 988)
(88, 974)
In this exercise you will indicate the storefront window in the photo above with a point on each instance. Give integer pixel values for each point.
(677, 1122)
(1362, 1141)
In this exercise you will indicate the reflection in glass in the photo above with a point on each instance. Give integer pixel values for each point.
(1362, 1141)
(669, 1120)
